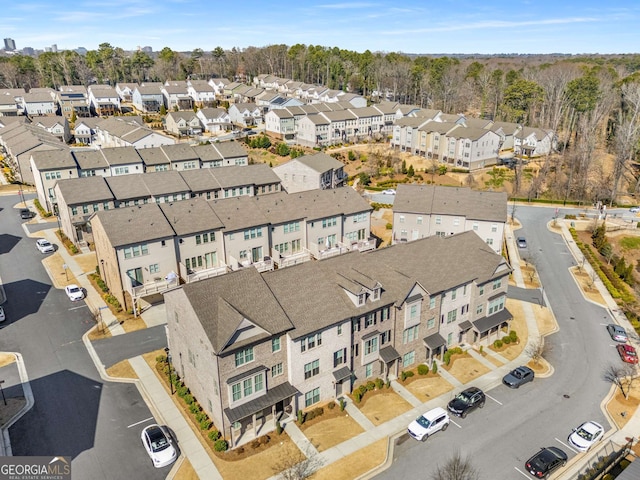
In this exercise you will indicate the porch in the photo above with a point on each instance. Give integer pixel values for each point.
(488, 329)
(193, 275)
(159, 285)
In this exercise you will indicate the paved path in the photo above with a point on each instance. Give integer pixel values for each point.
(404, 393)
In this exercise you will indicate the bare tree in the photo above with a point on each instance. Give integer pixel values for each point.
(537, 350)
(289, 468)
(456, 468)
(622, 376)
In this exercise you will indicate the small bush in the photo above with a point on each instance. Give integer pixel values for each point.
(423, 369)
(379, 383)
(301, 417)
(182, 391)
(343, 404)
(221, 445)
(357, 396)
(370, 385)
(188, 399)
(213, 435)
(513, 336)
(389, 226)
(497, 344)
(447, 357)
(506, 340)
(481, 349)
(200, 416)
(161, 359)
(405, 375)
(388, 384)
(434, 367)
(362, 389)
(279, 428)
(194, 408)
(205, 424)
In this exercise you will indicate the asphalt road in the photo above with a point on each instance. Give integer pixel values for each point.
(514, 424)
(75, 412)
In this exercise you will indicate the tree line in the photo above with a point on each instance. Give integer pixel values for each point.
(591, 102)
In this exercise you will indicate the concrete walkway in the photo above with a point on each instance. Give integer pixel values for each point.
(404, 393)
(355, 413)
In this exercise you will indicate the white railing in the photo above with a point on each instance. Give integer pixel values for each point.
(159, 285)
(364, 245)
(283, 261)
(265, 265)
(196, 275)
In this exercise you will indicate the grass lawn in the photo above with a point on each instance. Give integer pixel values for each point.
(466, 368)
(380, 406)
(330, 429)
(355, 464)
(427, 387)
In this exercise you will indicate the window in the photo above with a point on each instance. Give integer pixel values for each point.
(410, 334)
(236, 392)
(311, 342)
(401, 218)
(243, 255)
(74, 210)
(312, 397)
(456, 221)
(489, 241)
(408, 358)
(329, 222)
(479, 309)
(85, 209)
(419, 220)
(368, 370)
(198, 239)
(464, 290)
(360, 217)
(464, 309)
(311, 369)
(276, 370)
(291, 227)
(384, 314)
(475, 226)
(495, 306)
(339, 329)
(481, 290)
(494, 228)
(154, 268)
(431, 322)
(497, 283)
(355, 325)
(339, 357)
(136, 251)
(454, 294)
(438, 220)
(385, 337)
(371, 346)
(370, 320)
(376, 294)
(413, 311)
(244, 356)
(247, 387)
(275, 344)
(452, 315)
(432, 303)
(253, 233)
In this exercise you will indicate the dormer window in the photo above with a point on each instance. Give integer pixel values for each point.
(375, 294)
(361, 299)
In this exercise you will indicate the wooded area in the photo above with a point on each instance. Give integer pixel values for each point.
(591, 102)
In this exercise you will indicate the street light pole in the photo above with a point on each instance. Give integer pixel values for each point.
(166, 350)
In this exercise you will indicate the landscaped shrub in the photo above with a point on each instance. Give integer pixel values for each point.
(279, 428)
(213, 435)
(506, 340)
(221, 445)
(379, 383)
(205, 424)
(497, 344)
(434, 367)
(316, 412)
(188, 399)
(423, 369)
(389, 226)
(362, 389)
(194, 408)
(405, 375)
(513, 336)
(370, 385)
(200, 416)
(357, 396)
(331, 405)
(301, 417)
(182, 391)
(481, 349)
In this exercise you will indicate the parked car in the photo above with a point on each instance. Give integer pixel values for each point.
(25, 214)
(74, 292)
(634, 209)
(546, 461)
(389, 191)
(159, 446)
(429, 423)
(2, 315)
(466, 401)
(517, 377)
(522, 242)
(44, 246)
(617, 333)
(627, 353)
(586, 435)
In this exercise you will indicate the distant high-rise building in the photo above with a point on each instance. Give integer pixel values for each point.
(28, 51)
(147, 49)
(47, 49)
(54, 48)
(9, 44)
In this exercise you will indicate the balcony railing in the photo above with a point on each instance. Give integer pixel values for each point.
(283, 261)
(190, 276)
(158, 285)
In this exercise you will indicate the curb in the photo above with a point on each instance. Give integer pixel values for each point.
(28, 395)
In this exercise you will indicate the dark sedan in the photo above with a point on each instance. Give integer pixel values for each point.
(518, 376)
(546, 461)
(466, 401)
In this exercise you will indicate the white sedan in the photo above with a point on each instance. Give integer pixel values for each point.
(389, 191)
(74, 292)
(584, 436)
(157, 442)
(44, 245)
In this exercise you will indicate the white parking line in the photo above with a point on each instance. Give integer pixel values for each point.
(141, 421)
(521, 472)
(562, 443)
(459, 426)
(489, 396)
(76, 308)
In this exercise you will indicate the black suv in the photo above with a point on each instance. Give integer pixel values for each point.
(466, 401)
(25, 213)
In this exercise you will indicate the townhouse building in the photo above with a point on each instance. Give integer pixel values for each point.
(309, 172)
(421, 211)
(73, 100)
(182, 123)
(104, 101)
(214, 120)
(125, 91)
(128, 132)
(56, 125)
(276, 342)
(37, 103)
(176, 96)
(202, 93)
(147, 97)
(240, 233)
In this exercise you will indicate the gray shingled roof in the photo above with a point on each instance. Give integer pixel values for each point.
(238, 213)
(238, 175)
(132, 225)
(179, 152)
(463, 202)
(201, 180)
(230, 149)
(53, 160)
(153, 156)
(164, 183)
(76, 191)
(191, 216)
(121, 156)
(222, 303)
(207, 153)
(90, 159)
(126, 187)
(320, 162)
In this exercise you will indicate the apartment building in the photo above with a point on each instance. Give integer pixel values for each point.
(279, 341)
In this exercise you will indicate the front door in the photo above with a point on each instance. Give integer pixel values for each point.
(338, 388)
(256, 254)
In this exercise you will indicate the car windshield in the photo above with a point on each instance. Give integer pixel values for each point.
(631, 353)
(74, 289)
(584, 434)
(517, 373)
(158, 440)
(463, 397)
(423, 422)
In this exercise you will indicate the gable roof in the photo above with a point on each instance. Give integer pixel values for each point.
(76, 191)
(132, 225)
(191, 216)
(320, 162)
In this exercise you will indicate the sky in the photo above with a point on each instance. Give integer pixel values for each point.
(417, 26)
